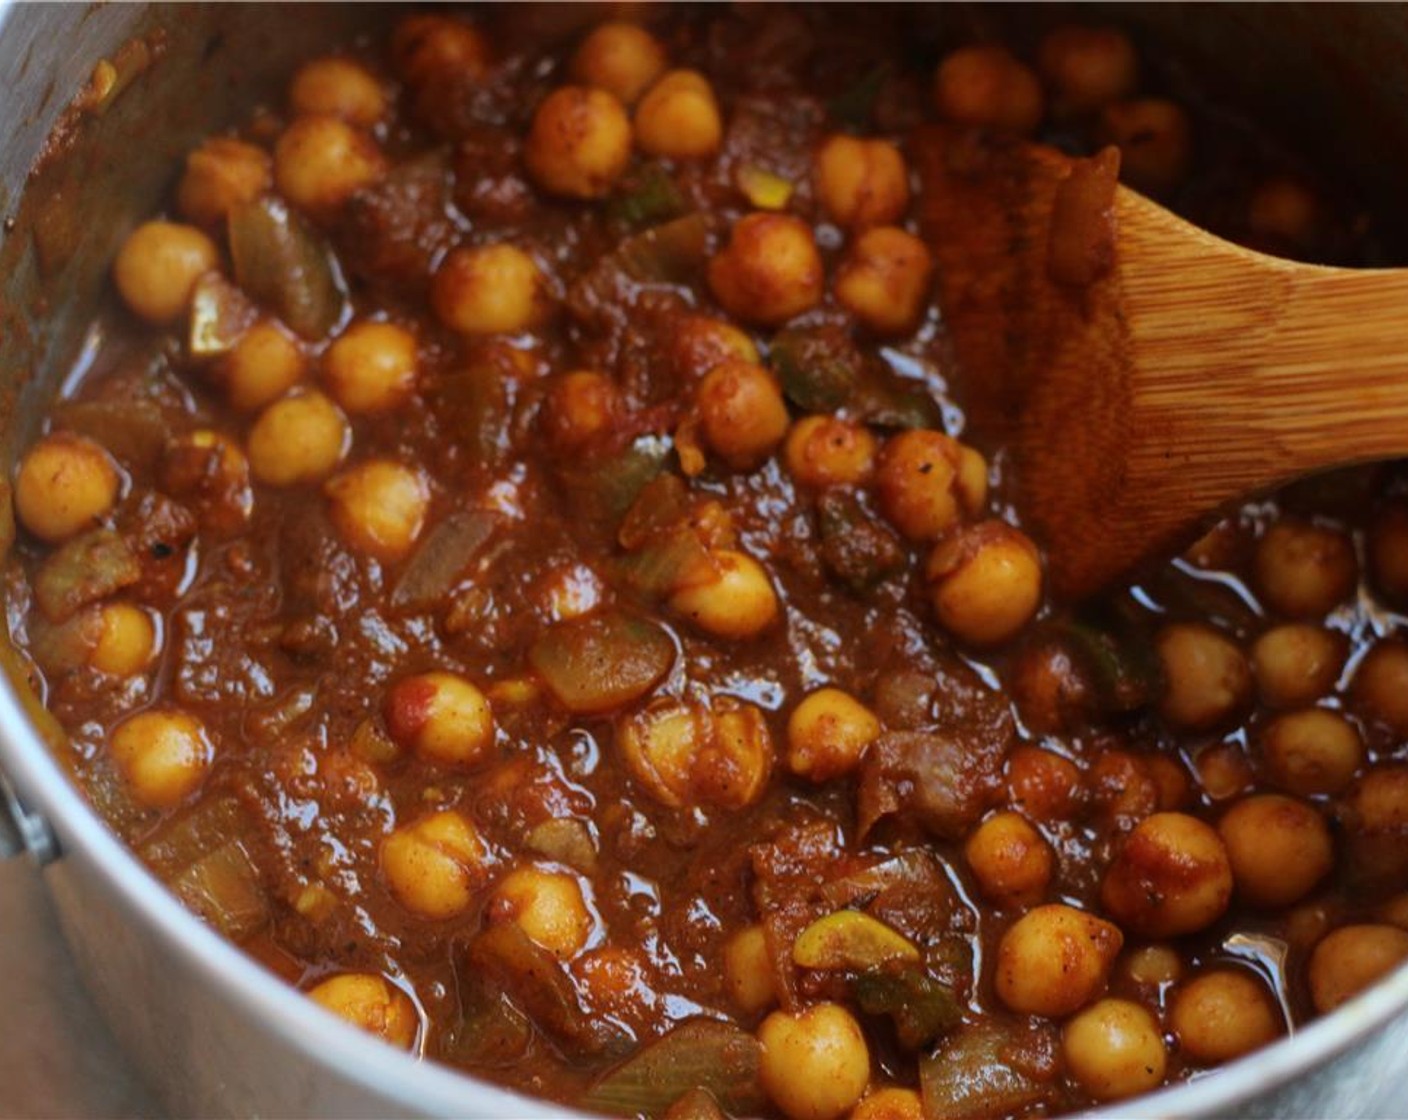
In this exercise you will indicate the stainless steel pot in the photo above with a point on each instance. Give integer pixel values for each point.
(214, 1032)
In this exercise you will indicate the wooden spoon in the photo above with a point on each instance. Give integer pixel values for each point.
(1145, 373)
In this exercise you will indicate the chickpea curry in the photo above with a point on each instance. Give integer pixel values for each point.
(514, 563)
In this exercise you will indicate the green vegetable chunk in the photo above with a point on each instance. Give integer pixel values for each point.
(921, 1007)
(982, 1072)
(87, 568)
(602, 661)
(281, 262)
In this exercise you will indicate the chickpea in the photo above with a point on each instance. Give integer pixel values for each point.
(1222, 1015)
(1050, 688)
(1115, 1050)
(769, 272)
(1054, 960)
(1352, 959)
(1285, 210)
(984, 582)
(1394, 912)
(1279, 848)
(815, 1063)
(442, 717)
(337, 87)
(742, 415)
(126, 640)
(490, 289)
(580, 407)
(1088, 67)
(889, 1103)
(1170, 877)
(884, 280)
(748, 977)
(209, 471)
(1043, 785)
(1223, 771)
(321, 161)
(434, 866)
(65, 484)
(971, 485)
(685, 754)
(700, 342)
(221, 174)
(1387, 548)
(265, 364)
(621, 58)
(297, 439)
(916, 483)
(426, 46)
(163, 755)
(379, 507)
(1375, 816)
(618, 982)
(547, 906)
(1155, 142)
(1311, 752)
(372, 367)
(828, 734)
(861, 183)
(1295, 664)
(1153, 966)
(1380, 685)
(738, 603)
(1010, 860)
(157, 268)
(824, 451)
(1206, 679)
(372, 1003)
(985, 87)
(579, 144)
(1304, 570)
(679, 118)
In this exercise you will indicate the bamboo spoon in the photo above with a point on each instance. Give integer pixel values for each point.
(1144, 372)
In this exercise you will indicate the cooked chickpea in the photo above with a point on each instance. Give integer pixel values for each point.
(1010, 860)
(621, 58)
(1115, 1050)
(210, 472)
(884, 280)
(971, 485)
(985, 87)
(1043, 785)
(1374, 814)
(372, 367)
(1054, 960)
(861, 183)
(889, 1103)
(579, 144)
(264, 364)
(679, 117)
(1206, 678)
(684, 754)
(221, 174)
(815, 1063)
(1152, 966)
(490, 289)
(157, 268)
(163, 755)
(434, 866)
(547, 906)
(1394, 912)
(1387, 548)
(826, 451)
(1223, 771)
(770, 270)
(425, 46)
(1222, 1015)
(1155, 142)
(579, 407)
(126, 640)
(984, 582)
(1170, 877)
(828, 734)
(748, 977)
(297, 439)
(372, 1003)
(1304, 570)
(337, 87)
(1088, 67)
(742, 415)
(700, 342)
(1050, 687)
(1380, 685)
(1351, 959)
(321, 161)
(1284, 209)
(1312, 751)
(379, 507)
(738, 603)
(66, 484)
(1295, 664)
(1279, 848)
(916, 482)
(618, 982)
(440, 716)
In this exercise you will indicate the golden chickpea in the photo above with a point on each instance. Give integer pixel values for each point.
(621, 58)
(1088, 67)
(828, 734)
(579, 144)
(686, 755)
(1374, 814)
(265, 364)
(126, 640)
(1222, 1015)
(985, 87)
(434, 866)
(1115, 1050)
(1206, 679)
(971, 485)
(815, 1063)
(1153, 966)
(337, 87)
(1050, 687)
(1279, 848)
(372, 1003)
(698, 343)
(547, 906)
(221, 174)
(157, 268)
(861, 183)
(1155, 142)
(298, 439)
(1043, 785)
(738, 603)
(1387, 546)
(1010, 860)
(884, 280)
(490, 289)
(1295, 664)
(379, 507)
(580, 407)
(163, 755)
(1304, 570)
(1380, 685)
(916, 483)
(748, 977)
(1170, 877)
(425, 46)
(889, 1103)
(1351, 959)
(65, 484)
(1285, 210)
(770, 270)
(1223, 771)
(679, 118)
(441, 717)
(1312, 751)
(1054, 960)
(742, 415)
(372, 367)
(321, 161)
(984, 582)
(824, 451)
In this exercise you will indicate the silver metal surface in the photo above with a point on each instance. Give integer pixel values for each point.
(22, 831)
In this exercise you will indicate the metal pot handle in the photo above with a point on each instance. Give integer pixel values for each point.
(23, 831)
